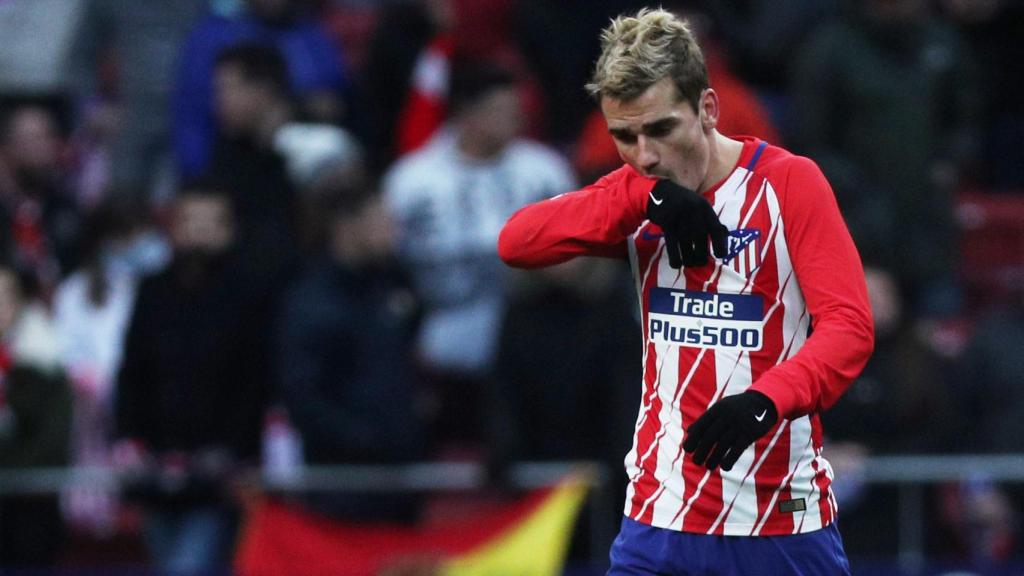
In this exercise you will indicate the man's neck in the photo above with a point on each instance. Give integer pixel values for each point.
(475, 149)
(723, 154)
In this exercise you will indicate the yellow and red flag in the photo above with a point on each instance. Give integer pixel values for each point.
(529, 536)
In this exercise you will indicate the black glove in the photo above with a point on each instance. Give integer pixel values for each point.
(729, 426)
(687, 220)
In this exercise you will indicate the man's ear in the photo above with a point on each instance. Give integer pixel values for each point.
(709, 109)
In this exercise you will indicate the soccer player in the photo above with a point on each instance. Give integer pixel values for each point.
(741, 352)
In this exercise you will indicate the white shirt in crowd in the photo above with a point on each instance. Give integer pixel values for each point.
(449, 208)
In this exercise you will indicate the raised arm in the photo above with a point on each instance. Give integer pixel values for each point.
(594, 221)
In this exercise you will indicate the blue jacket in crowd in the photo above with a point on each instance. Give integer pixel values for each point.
(314, 65)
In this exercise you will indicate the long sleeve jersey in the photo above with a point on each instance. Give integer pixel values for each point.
(784, 313)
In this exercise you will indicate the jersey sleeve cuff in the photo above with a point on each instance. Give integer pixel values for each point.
(783, 396)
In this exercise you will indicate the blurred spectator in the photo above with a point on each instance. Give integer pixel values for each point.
(557, 402)
(39, 222)
(313, 226)
(461, 37)
(414, 50)
(38, 36)
(987, 390)
(351, 25)
(263, 154)
(192, 384)
(764, 36)
(553, 402)
(144, 41)
(35, 424)
(346, 349)
(427, 99)
(985, 522)
(450, 200)
(888, 105)
(560, 42)
(992, 28)
(91, 311)
(316, 75)
(743, 113)
(901, 403)
(902, 400)
(398, 46)
(989, 381)
(251, 105)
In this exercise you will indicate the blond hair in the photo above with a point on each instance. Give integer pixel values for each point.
(638, 51)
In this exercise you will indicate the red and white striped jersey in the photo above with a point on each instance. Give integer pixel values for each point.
(785, 313)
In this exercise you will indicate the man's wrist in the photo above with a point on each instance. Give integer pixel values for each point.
(765, 406)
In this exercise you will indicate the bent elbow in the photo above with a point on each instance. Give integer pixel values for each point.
(508, 247)
(859, 327)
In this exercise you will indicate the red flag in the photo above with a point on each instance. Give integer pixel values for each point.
(281, 539)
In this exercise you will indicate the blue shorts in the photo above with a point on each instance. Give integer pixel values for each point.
(643, 549)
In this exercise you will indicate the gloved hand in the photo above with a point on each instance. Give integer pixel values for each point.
(687, 220)
(729, 426)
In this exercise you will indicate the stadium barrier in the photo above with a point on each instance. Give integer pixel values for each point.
(437, 477)
(911, 474)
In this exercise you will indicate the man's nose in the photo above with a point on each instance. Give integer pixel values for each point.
(647, 157)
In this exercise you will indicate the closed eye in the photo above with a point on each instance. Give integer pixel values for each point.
(659, 132)
(623, 136)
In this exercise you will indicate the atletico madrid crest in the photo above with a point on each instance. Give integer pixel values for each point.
(744, 251)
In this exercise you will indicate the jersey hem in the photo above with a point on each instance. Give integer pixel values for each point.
(738, 529)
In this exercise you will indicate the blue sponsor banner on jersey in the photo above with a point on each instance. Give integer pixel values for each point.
(742, 307)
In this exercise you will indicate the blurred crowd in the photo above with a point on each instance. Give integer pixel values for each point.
(237, 233)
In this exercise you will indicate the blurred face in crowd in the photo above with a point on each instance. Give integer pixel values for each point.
(491, 122)
(32, 142)
(662, 136)
(365, 237)
(885, 299)
(239, 102)
(10, 300)
(202, 224)
(442, 13)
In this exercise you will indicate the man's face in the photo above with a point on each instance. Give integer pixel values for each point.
(368, 236)
(885, 299)
(660, 134)
(203, 224)
(32, 140)
(495, 119)
(239, 102)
